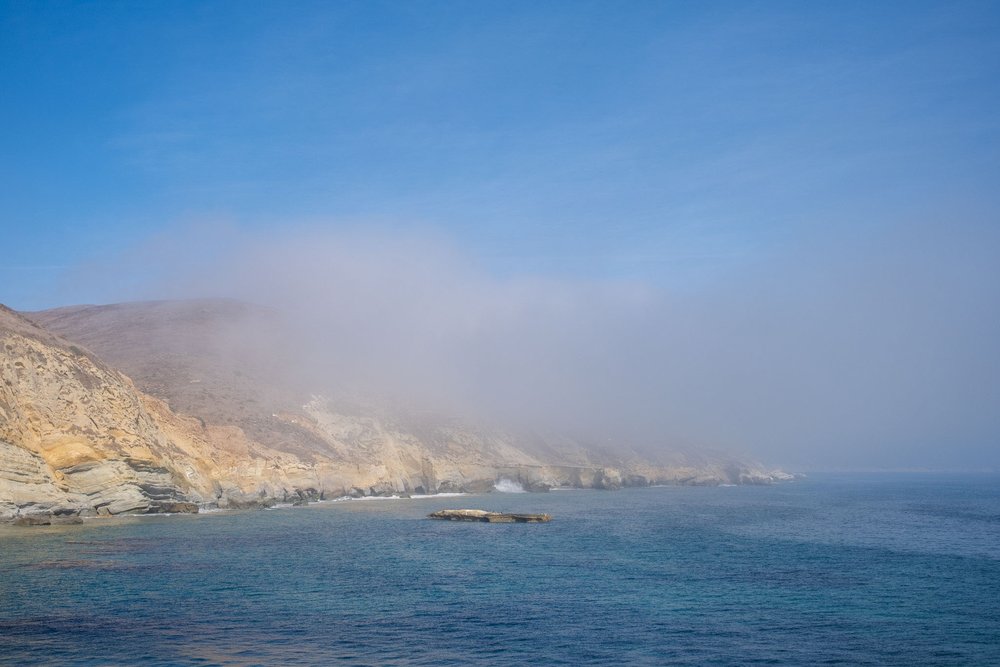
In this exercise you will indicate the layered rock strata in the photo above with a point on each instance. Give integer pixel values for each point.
(78, 437)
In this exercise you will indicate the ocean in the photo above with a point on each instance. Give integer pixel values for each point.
(834, 569)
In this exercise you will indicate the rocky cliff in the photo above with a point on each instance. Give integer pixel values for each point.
(75, 433)
(203, 427)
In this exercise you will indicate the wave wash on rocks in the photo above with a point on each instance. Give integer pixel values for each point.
(78, 437)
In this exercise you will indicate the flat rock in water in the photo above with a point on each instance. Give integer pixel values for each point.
(488, 517)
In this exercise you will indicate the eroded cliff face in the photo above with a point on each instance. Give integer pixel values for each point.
(78, 437)
(75, 434)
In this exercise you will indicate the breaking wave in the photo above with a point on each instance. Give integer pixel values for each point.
(508, 486)
(416, 496)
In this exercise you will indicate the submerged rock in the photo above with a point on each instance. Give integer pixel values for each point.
(174, 508)
(45, 520)
(488, 517)
(33, 520)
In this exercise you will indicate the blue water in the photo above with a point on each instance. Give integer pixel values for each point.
(889, 569)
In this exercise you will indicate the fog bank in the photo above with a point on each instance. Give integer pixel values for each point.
(874, 351)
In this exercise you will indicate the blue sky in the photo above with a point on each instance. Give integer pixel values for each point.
(664, 142)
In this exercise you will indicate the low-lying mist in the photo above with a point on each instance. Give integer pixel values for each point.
(868, 352)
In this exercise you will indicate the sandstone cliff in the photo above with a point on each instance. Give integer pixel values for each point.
(74, 433)
(203, 428)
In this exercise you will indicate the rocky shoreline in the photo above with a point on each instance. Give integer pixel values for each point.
(38, 515)
(79, 438)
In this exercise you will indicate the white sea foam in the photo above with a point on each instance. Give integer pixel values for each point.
(417, 496)
(508, 486)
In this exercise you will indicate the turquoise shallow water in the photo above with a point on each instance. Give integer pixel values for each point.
(865, 569)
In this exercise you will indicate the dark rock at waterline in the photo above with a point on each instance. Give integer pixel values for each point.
(247, 503)
(33, 520)
(477, 486)
(607, 479)
(483, 516)
(46, 520)
(66, 520)
(298, 497)
(533, 486)
(383, 489)
(635, 480)
(65, 511)
(173, 507)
